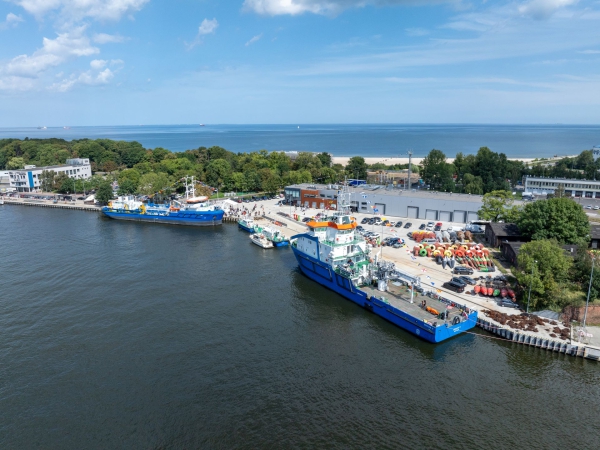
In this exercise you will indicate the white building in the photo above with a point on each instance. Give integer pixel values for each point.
(28, 179)
(573, 188)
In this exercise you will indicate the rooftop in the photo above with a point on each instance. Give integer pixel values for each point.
(504, 229)
(383, 190)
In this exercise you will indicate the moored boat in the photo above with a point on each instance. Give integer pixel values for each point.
(275, 236)
(247, 224)
(333, 255)
(260, 240)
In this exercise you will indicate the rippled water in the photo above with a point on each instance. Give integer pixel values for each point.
(133, 335)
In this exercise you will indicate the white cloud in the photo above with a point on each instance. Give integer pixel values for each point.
(80, 9)
(325, 7)
(542, 9)
(65, 47)
(89, 78)
(589, 52)
(103, 38)
(98, 64)
(207, 27)
(12, 20)
(254, 39)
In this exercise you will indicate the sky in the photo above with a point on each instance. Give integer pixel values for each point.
(130, 62)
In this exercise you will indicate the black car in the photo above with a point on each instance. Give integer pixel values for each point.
(306, 219)
(437, 228)
(385, 222)
(371, 221)
(408, 225)
(398, 224)
(507, 303)
(365, 220)
(463, 270)
(359, 228)
(422, 227)
(458, 281)
(451, 285)
(467, 279)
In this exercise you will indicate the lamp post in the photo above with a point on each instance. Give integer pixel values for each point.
(529, 296)
(587, 302)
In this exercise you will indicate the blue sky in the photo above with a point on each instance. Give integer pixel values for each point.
(121, 62)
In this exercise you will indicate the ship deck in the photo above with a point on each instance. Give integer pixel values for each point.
(398, 295)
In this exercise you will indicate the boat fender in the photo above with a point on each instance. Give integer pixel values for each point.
(456, 320)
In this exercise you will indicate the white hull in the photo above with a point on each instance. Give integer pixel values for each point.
(261, 241)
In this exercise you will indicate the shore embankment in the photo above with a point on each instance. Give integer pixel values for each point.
(390, 161)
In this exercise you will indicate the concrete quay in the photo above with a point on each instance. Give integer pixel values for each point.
(79, 205)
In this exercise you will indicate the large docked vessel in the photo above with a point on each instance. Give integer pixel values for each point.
(332, 254)
(195, 211)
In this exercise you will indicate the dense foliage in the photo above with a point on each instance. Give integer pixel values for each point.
(556, 218)
(545, 266)
(498, 206)
(151, 170)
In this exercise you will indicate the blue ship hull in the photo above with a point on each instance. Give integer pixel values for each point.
(200, 218)
(281, 244)
(326, 276)
(245, 228)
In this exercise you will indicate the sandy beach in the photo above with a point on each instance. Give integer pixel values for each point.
(343, 160)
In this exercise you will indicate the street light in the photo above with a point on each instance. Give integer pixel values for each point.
(588, 294)
(529, 296)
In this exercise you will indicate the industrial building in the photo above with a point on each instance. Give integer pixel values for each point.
(28, 179)
(369, 199)
(572, 187)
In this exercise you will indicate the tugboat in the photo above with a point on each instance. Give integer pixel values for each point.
(333, 255)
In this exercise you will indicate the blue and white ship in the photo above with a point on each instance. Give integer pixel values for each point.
(196, 211)
(275, 236)
(247, 224)
(332, 254)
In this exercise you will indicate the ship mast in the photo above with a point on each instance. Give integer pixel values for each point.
(190, 189)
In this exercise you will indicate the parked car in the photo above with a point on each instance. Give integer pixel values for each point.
(398, 224)
(452, 286)
(459, 281)
(422, 226)
(588, 207)
(306, 219)
(385, 222)
(399, 245)
(507, 303)
(407, 225)
(359, 228)
(365, 220)
(463, 270)
(467, 279)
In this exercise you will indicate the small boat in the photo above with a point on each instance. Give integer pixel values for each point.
(1, 202)
(503, 293)
(496, 292)
(261, 240)
(247, 224)
(275, 236)
(477, 289)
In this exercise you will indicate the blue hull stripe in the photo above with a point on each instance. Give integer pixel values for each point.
(325, 275)
(245, 228)
(209, 218)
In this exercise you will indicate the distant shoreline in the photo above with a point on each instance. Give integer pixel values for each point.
(343, 160)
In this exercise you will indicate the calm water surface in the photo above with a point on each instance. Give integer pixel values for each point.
(124, 335)
(368, 140)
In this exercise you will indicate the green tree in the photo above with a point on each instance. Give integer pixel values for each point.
(556, 218)
(127, 187)
(356, 168)
(152, 183)
(472, 184)
(437, 172)
(272, 183)
(582, 271)
(498, 205)
(325, 159)
(15, 163)
(545, 267)
(47, 180)
(217, 172)
(104, 193)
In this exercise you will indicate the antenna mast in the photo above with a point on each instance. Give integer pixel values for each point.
(410, 153)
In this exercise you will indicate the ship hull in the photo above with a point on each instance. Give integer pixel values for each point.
(281, 244)
(245, 228)
(209, 218)
(326, 276)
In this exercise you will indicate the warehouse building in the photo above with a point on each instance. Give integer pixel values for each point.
(369, 199)
(572, 187)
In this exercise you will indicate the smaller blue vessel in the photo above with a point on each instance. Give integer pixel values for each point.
(247, 224)
(275, 236)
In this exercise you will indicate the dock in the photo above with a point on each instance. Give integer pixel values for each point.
(80, 206)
